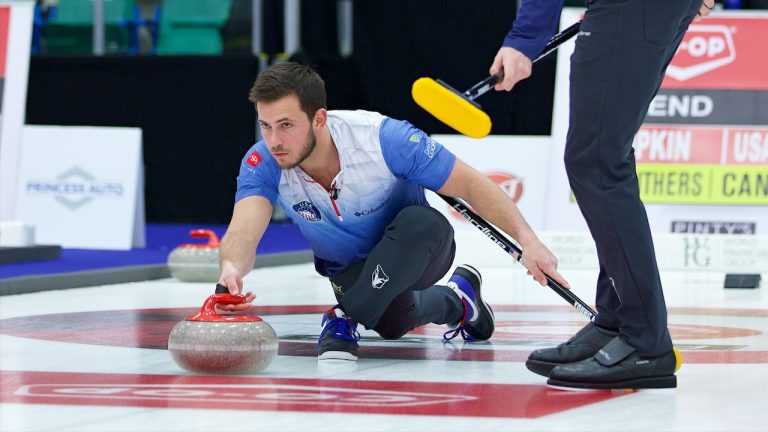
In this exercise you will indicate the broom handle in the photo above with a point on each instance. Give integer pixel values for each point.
(483, 86)
(503, 242)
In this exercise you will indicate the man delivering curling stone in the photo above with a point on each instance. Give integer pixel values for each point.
(354, 182)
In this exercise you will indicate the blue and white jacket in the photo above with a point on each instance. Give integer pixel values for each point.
(385, 166)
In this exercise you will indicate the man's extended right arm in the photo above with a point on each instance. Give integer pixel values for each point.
(237, 252)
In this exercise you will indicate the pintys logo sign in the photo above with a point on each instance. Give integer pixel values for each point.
(75, 188)
(704, 48)
(511, 184)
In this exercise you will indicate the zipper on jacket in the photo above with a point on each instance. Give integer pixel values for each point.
(333, 194)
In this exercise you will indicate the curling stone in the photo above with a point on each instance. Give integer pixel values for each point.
(196, 262)
(207, 342)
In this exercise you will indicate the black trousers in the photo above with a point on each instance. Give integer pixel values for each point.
(393, 291)
(618, 64)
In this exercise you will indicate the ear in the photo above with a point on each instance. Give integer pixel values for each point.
(320, 119)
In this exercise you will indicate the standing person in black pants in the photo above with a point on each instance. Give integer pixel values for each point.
(621, 53)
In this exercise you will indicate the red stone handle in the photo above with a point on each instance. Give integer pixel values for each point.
(213, 239)
(208, 312)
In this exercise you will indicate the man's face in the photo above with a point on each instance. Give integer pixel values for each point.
(287, 131)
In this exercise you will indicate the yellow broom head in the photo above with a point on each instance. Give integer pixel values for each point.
(451, 108)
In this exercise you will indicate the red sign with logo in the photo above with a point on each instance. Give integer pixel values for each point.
(721, 53)
(693, 144)
(511, 184)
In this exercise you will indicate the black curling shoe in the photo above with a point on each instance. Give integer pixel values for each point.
(582, 345)
(617, 366)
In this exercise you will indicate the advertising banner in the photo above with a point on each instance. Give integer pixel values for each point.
(516, 163)
(674, 252)
(702, 153)
(82, 187)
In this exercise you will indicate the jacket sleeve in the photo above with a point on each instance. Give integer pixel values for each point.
(535, 24)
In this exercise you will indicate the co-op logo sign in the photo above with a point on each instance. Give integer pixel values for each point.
(509, 183)
(704, 48)
(75, 187)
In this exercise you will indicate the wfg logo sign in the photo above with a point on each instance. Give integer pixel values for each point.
(704, 48)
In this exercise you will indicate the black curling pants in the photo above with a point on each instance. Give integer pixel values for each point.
(393, 291)
(618, 64)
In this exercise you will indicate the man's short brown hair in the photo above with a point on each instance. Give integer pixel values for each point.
(283, 79)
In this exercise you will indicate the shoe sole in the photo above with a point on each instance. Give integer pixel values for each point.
(337, 355)
(490, 312)
(669, 381)
(540, 367)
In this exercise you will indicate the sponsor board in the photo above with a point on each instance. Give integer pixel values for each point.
(703, 184)
(512, 185)
(704, 48)
(712, 227)
(516, 163)
(681, 252)
(722, 51)
(704, 146)
(82, 187)
(674, 252)
(712, 165)
(693, 144)
(708, 106)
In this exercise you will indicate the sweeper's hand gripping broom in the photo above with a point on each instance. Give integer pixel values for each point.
(459, 110)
